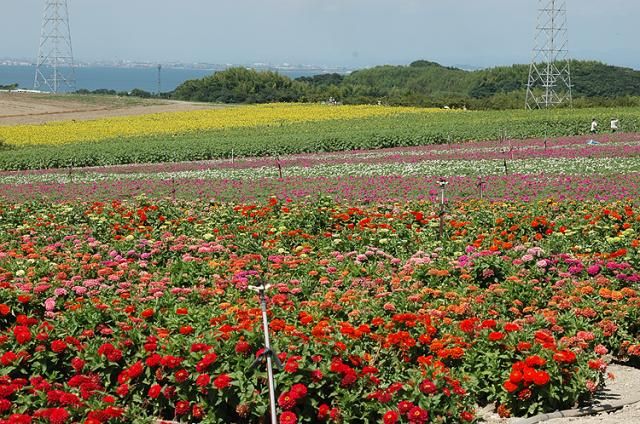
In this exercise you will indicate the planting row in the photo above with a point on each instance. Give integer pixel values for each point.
(351, 188)
(271, 130)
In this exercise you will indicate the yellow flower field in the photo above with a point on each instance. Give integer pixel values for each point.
(193, 121)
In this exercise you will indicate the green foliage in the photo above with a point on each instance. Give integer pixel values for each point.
(136, 92)
(240, 85)
(422, 83)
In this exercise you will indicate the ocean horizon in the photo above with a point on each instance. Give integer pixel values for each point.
(121, 79)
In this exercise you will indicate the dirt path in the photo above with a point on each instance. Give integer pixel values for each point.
(623, 389)
(30, 108)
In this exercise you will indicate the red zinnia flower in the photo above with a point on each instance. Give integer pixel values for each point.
(153, 360)
(565, 356)
(22, 334)
(182, 407)
(509, 386)
(222, 381)
(405, 406)
(495, 336)
(77, 364)
(535, 361)
(123, 390)
(299, 390)
(19, 419)
(8, 358)
(391, 417)
(197, 411)
(523, 346)
(467, 416)
(203, 380)
(489, 323)
(287, 401)
(428, 387)
(524, 394)
(186, 330)
(242, 347)
(58, 415)
(292, 364)
(541, 378)
(316, 375)
(468, 325)
(5, 405)
(323, 412)
(511, 327)
(348, 379)
(288, 417)
(181, 375)
(515, 377)
(417, 415)
(147, 313)
(154, 391)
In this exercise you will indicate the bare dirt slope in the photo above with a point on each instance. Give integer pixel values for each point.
(31, 108)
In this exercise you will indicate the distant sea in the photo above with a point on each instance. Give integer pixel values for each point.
(121, 79)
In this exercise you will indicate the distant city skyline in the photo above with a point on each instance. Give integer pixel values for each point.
(332, 33)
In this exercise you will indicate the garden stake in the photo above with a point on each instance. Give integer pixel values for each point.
(173, 188)
(481, 184)
(443, 184)
(268, 354)
(233, 159)
(279, 166)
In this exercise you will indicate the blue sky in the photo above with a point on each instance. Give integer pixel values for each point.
(352, 33)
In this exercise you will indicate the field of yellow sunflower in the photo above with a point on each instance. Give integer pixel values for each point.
(189, 122)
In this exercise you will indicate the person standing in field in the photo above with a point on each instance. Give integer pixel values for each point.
(614, 125)
(594, 126)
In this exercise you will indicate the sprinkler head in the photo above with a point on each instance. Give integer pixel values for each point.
(260, 289)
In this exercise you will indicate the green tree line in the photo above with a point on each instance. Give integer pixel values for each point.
(422, 83)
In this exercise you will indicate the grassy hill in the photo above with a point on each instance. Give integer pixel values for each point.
(432, 82)
(421, 83)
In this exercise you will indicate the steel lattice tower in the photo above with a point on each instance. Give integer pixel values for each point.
(549, 81)
(55, 67)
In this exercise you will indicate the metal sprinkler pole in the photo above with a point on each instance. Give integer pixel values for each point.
(268, 354)
(267, 345)
(443, 184)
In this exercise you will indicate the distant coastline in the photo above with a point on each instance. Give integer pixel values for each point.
(126, 76)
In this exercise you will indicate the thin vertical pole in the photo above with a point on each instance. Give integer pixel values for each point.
(267, 343)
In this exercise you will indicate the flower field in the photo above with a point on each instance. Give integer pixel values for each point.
(251, 131)
(128, 312)
(124, 278)
(562, 168)
(188, 122)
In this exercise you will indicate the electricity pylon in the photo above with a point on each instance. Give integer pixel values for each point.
(549, 81)
(55, 67)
